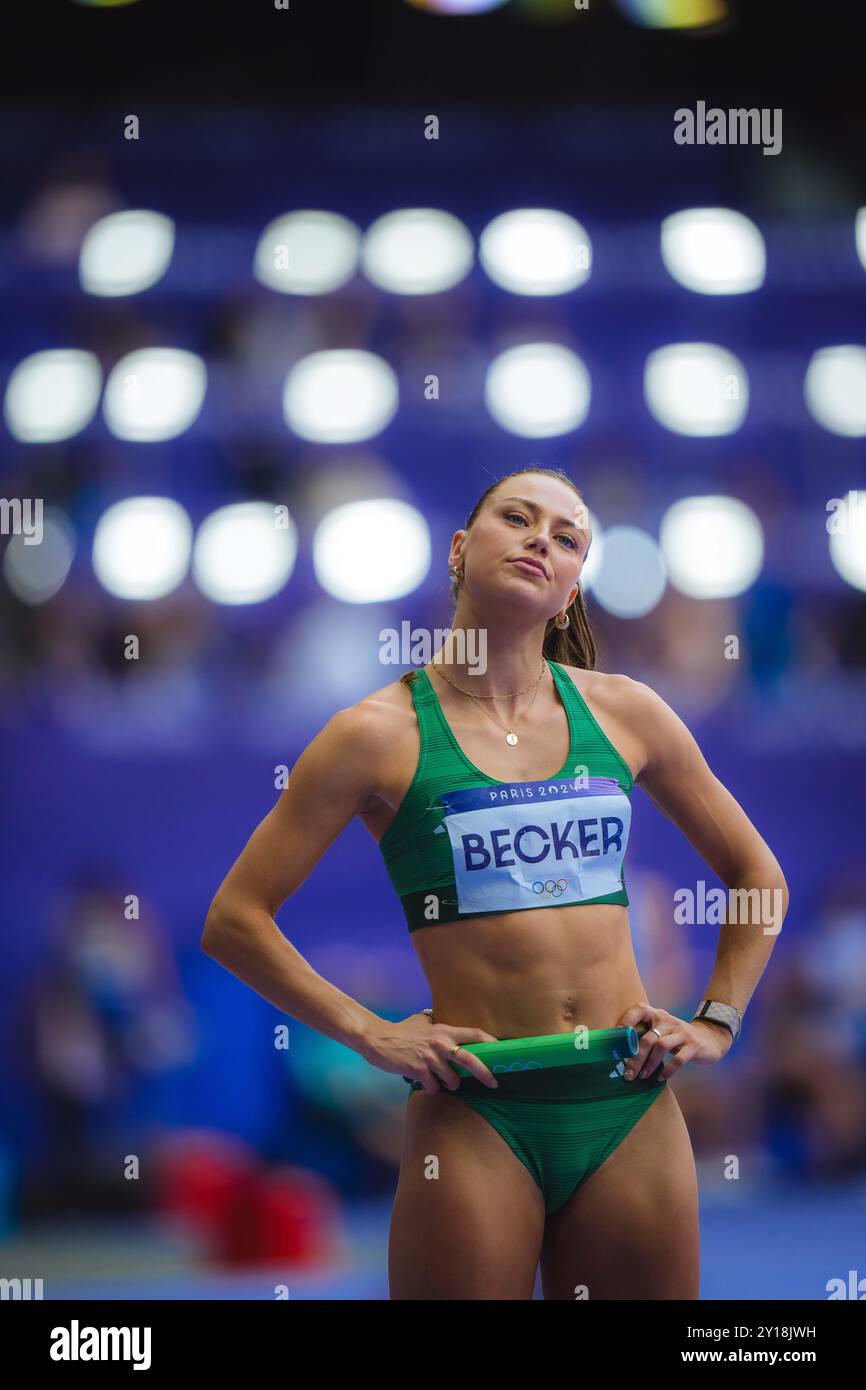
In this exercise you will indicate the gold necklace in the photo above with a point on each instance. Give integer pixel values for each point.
(510, 735)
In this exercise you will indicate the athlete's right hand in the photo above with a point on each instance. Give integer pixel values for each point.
(418, 1048)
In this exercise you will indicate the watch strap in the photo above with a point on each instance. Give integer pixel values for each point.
(716, 1012)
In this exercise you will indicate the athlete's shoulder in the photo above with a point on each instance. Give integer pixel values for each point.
(635, 706)
(372, 723)
(610, 689)
(632, 704)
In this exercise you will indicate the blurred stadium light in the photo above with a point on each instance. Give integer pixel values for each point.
(340, 397)
(696, 388)
(307, 252)
(538, 390)
(366, 552)
(714, 251)
(154, 393)
(244, 552)
(713, 547)
(52, 395)
(142, 547)
(417, 251)
(835, 389)
(631, 578)
(536, 251)
(125, 253)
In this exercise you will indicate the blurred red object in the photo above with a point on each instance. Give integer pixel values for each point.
(244, 1214)
(201, 1176)
(286, 1214)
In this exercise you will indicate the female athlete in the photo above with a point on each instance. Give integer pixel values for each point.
(498, 791)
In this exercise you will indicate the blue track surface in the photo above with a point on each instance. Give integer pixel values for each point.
(782, 1243)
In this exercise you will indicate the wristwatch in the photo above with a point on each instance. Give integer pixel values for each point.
(725, 1014)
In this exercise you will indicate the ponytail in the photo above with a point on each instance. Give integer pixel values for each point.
(575, 644)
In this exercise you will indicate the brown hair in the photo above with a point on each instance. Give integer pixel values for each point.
(571, 646)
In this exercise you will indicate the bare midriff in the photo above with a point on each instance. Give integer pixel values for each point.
(527, 973)
(524, 974)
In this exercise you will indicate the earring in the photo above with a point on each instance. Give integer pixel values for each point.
(454, 572)
(562, 620)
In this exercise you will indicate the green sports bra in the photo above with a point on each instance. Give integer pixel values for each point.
(465, 845)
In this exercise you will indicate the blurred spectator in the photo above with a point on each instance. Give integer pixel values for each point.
(107, 1013)
(813, 1041)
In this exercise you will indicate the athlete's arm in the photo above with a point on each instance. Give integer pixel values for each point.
(676, 777)
(333, 779)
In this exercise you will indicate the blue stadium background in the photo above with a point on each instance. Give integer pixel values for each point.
(149, 782)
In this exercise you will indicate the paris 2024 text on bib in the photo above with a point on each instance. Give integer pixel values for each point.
(532, 844)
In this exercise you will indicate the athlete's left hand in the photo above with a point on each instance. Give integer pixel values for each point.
(701, 1042)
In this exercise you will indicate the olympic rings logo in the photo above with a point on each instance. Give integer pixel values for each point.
(519, 1066)
(553, 887)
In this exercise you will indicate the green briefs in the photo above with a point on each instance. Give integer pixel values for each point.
(561, 1122)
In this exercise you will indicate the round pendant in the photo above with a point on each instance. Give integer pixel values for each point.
(511, 738)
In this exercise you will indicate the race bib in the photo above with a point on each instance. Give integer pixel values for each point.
(533, 844)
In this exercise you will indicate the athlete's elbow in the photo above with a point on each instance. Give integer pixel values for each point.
(208, 935)
(217, 925)
(767, 878)
(776, 881)
(782, 888)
